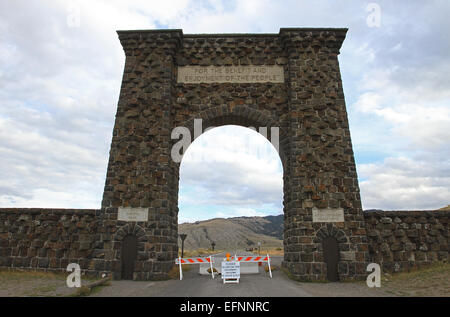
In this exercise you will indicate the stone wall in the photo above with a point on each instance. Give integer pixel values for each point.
(50, 239)
(400, 240)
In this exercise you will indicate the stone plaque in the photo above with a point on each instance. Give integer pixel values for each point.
(132, 214)
(230, 74)
(328, 215)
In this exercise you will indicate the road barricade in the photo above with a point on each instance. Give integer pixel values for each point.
(181, 261)
(258, 259)
(210, 260)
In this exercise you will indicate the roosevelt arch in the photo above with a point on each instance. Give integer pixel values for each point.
(305, 101)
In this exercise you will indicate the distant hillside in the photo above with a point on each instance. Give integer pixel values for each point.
(239, 232)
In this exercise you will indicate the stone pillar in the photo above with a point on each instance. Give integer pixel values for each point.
(322, 171)
(140, 170)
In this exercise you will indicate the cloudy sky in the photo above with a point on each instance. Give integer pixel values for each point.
(60, 72)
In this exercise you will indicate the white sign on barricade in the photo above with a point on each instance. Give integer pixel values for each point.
(231, 271)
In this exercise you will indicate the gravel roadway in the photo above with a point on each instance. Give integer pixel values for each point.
(250, 285)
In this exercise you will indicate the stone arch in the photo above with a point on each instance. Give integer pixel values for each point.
(241, 115)
(330, 231)
(307, 104)
(130, 228)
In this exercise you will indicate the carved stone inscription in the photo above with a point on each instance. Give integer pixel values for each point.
(132, 214)
(328, 215)
(230, 74)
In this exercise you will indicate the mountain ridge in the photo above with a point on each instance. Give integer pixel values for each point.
(235, 232)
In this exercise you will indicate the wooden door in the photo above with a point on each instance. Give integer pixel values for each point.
(129, 255)
(331, 257)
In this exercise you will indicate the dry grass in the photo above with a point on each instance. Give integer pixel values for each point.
(7, 275)
(87, 291)
(271, 251)
(198, 252)
(35, 283)
(433, 280)
(272, 268)
(275, 251)
(174, 272)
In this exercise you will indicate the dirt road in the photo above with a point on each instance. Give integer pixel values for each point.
(428, 281)
(251, 285)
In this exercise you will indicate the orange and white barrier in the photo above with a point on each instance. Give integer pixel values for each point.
(210, 260)
(250, 259)
(193, 260)
(181, 261)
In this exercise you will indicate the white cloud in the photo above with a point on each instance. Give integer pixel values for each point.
(241, 212)
(233, 166)
(412, 101)
(60, 85)
(397, 47)
(403, 183)
(418, 122)
(366, 52)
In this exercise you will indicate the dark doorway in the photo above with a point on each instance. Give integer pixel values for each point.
(129, 255)
(331, 257)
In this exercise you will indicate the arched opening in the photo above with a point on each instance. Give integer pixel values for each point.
(331, 257)
(129, 256)
(332, 240)
(231, 172)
